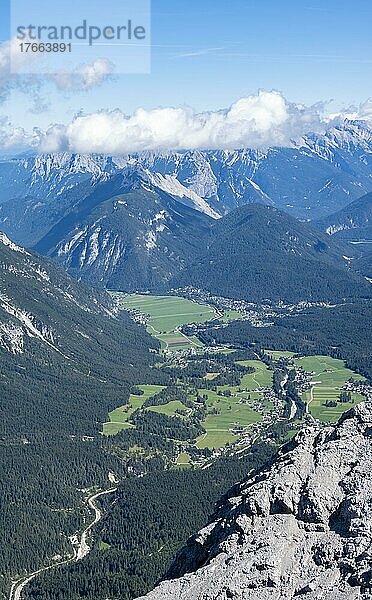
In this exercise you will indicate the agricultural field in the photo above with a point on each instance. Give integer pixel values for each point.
(233, 410)
(226, 413)
(215, 438)
(183, 459)
(237, 410)
(328, 377)
(262, 377)
(176, 340)
(211, 376)
(231, 315)
(118, 418)
(166, 315)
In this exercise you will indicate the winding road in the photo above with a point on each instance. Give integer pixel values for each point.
(79, 553)
(312, 386)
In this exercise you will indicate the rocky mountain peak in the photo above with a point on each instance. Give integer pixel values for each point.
(302, 528)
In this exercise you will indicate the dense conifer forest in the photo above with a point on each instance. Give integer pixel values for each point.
(150, 520)
(61, 372)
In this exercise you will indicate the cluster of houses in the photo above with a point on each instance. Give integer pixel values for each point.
(360, 387)
(259, 315)
(302, 380)
(138, 316)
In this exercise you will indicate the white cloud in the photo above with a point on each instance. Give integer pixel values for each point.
(362, 113)
(195, 53)
(13, 61)
(84, 77)
(365, 111)
(257, 121)
(264, 119)
(16, 139)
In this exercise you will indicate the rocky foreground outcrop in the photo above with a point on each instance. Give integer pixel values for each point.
(300, 529)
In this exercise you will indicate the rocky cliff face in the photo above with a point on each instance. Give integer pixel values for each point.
(300, 529)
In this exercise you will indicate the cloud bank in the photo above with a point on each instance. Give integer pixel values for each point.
(257, 121)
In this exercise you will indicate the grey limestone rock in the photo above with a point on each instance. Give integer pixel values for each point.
(300, 529)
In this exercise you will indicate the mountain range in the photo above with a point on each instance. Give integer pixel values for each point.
(315, 177)
(146, 239)
(284, 224)
(128, 234)
(159, 222)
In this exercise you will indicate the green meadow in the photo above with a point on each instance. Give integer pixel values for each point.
(118, 418)
(167, 314)
(262, 376)
(226, 413)
(329, 375)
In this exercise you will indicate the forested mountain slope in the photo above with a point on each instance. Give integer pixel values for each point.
(61, 341)
(257, 252)
(66, 357)
(146, 239)
(354, 222)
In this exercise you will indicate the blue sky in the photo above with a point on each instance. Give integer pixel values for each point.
(208, 53)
